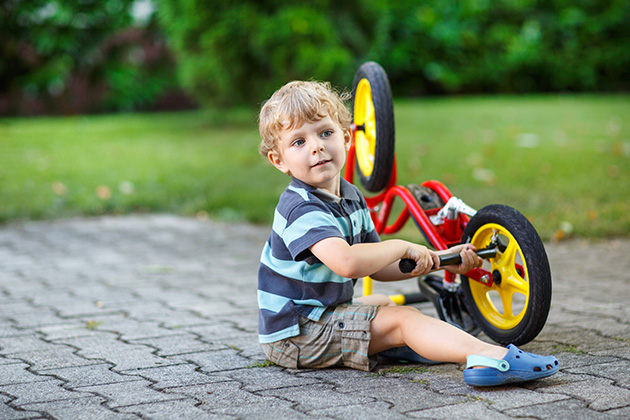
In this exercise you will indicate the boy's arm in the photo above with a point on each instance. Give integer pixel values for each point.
(377, 258)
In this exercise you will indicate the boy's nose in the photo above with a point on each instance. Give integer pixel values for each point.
(318, 147)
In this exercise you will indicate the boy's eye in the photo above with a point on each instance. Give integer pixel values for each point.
(327, 133)
(299, 142)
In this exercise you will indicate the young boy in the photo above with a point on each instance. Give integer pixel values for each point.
(323, 239)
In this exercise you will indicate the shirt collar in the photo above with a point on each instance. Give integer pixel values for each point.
(346, 190)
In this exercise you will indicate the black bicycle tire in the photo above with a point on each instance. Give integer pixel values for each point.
(539, 275)
(384, 122)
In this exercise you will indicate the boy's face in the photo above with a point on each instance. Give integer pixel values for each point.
(314, 153)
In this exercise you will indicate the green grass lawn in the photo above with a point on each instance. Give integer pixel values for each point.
(563, 161)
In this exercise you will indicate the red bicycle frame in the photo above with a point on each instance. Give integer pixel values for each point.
(441, 237)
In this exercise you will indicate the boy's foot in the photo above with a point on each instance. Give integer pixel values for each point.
(516, 366)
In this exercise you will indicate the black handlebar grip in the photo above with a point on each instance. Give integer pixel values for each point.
(406, 265)
(450, 259)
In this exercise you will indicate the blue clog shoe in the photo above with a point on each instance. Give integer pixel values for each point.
(516, 366)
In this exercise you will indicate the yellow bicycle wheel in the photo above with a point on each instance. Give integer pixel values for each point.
(365, 138)
(504, 304)
(514, 308)
(373, 115)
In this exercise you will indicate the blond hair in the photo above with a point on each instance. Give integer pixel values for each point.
(296, 103)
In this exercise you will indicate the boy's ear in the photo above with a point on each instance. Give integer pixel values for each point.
(276, 160)
(347, 139)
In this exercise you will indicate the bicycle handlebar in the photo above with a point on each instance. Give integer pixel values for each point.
(406, 265)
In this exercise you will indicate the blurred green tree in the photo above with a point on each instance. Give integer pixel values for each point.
(466, 46)
(233, 52)
(72, 56)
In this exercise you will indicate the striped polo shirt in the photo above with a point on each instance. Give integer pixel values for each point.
(291, 280)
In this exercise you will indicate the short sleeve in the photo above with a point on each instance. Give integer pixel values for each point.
(306, 225)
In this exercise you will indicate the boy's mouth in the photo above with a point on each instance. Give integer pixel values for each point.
(321, 162)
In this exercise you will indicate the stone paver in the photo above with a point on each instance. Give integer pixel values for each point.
(154, 317)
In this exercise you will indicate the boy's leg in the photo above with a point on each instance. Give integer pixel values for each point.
(376, 299)
(395, 326)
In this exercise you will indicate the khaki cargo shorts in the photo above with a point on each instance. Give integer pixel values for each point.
(340, 338)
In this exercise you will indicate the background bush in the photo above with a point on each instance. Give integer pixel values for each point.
(239, 52)
(236, 52)
(81, 56)
(71, 56)
(507, 45)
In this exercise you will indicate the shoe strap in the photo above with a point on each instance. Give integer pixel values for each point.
(474, 361)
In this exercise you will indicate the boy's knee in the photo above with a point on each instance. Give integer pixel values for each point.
(409, 315)
(376, 299)
(400, 313)
(411, 312)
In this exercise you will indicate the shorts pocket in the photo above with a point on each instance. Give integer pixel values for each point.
(284, 353)
(355, 341)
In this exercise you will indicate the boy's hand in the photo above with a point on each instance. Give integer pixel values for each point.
(470, 260)
(426, 260)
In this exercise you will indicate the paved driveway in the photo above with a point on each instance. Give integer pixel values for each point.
(155, 317)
